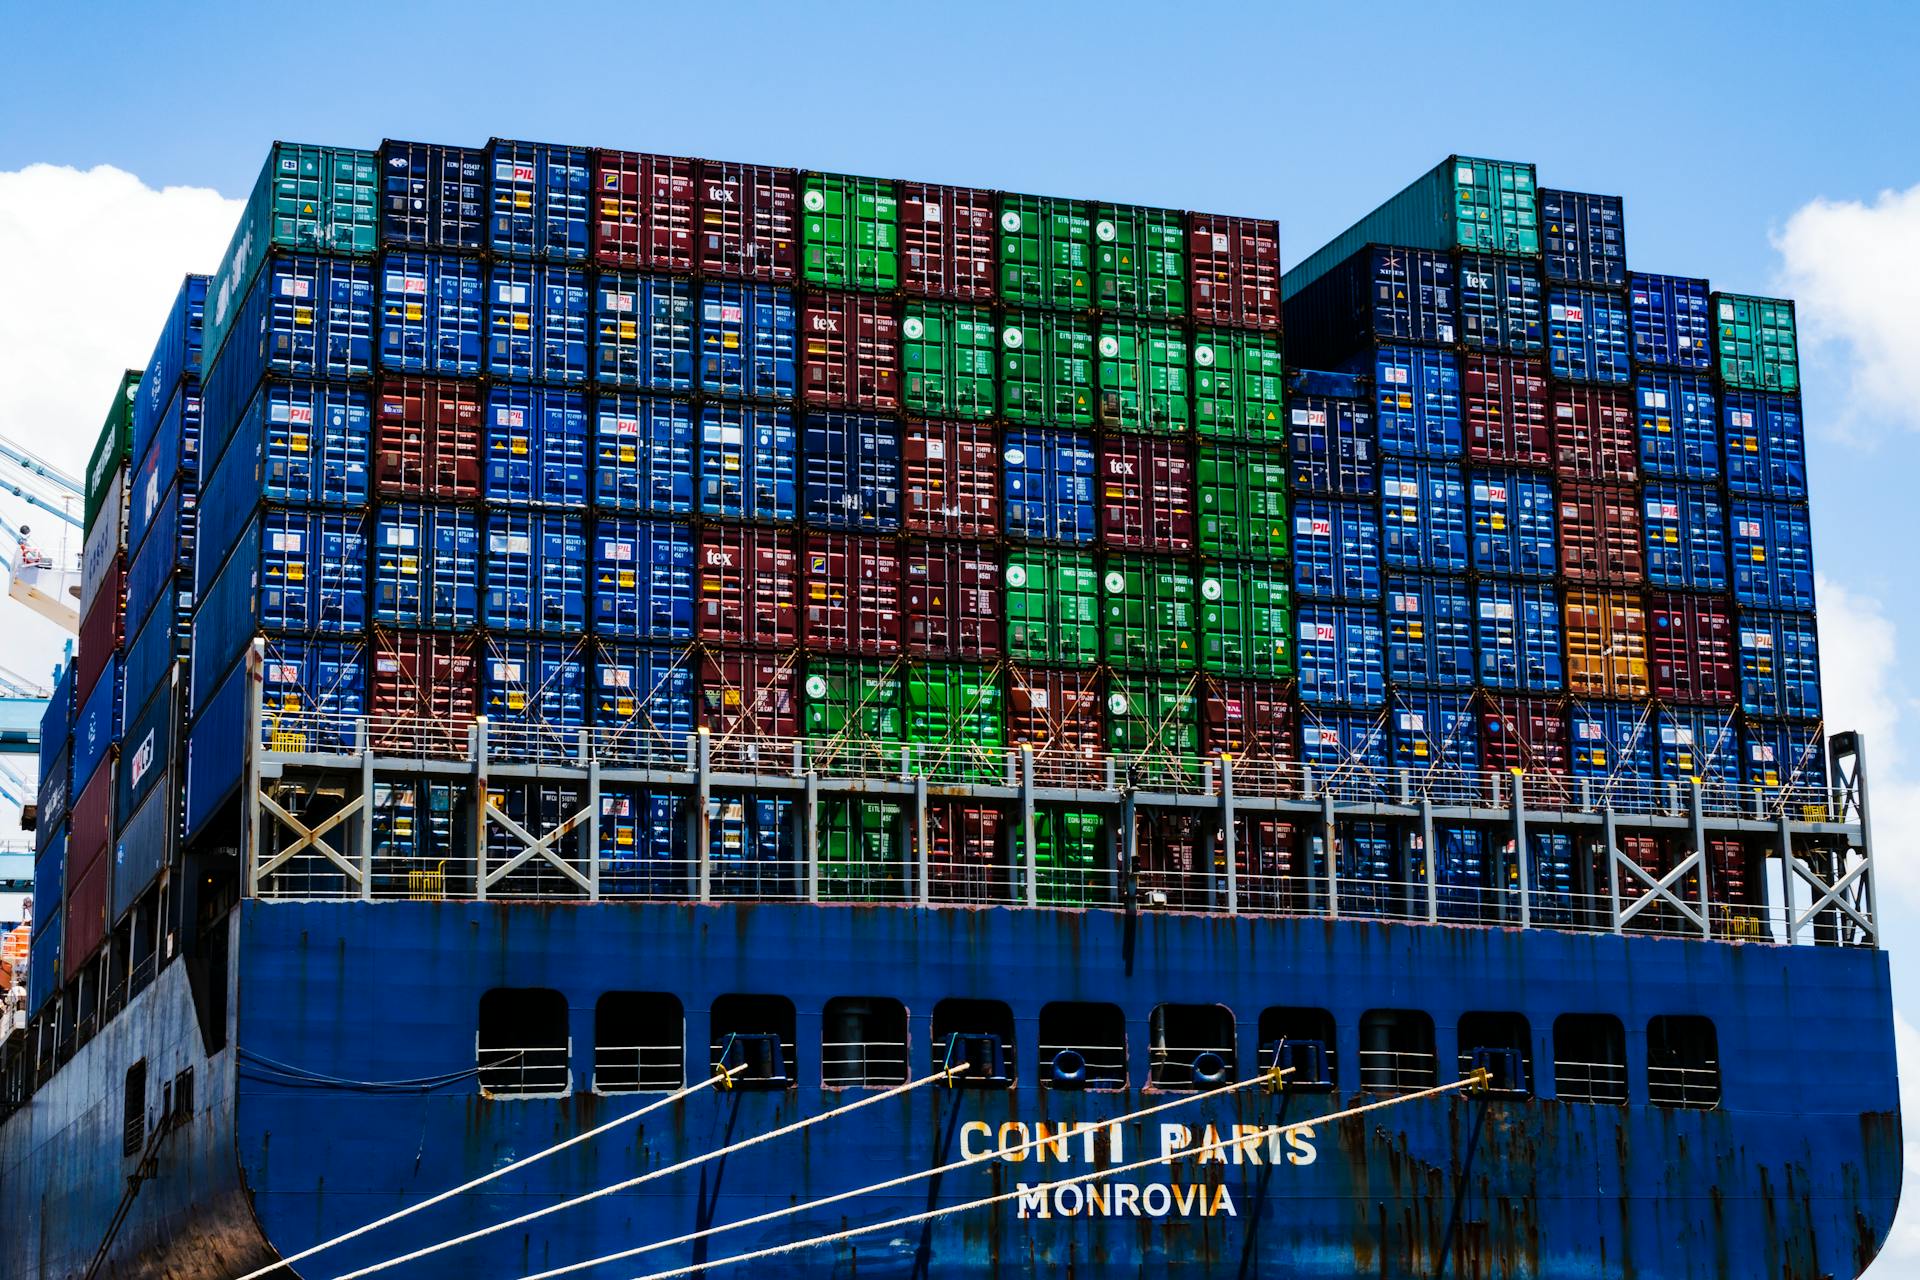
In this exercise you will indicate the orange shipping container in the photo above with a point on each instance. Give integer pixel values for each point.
(1606, 644)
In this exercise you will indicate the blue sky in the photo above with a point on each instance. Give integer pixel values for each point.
(1753, 143)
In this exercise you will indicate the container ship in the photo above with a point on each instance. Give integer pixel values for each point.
(643, 716)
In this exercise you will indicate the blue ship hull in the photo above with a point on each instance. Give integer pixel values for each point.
(299, 1134)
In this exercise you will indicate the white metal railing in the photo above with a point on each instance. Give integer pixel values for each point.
(1691, 1087)
(656, 1068)
(527, 1071)
(1395, 1071)
(1599, 1082)
(1177, 1067)
(862, 1064)
(1105, 1065)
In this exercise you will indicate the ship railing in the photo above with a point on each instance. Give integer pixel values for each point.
(1189, 1066)
(1104, 1066)
(1598, 1082)
(1396, 1070)
(527, 1071)
(862, 1064)
(1694, 1087)
(654, 1068)
(645, 747)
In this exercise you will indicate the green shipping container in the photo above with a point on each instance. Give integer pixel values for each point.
(863, 851)
(948, 356)
(852, 711)
(1756, 342)
(1069, 859)
(1149, 613)
(1140, 260)
(1053, 606)
(1481, 206)
(1156, 717)
(310, 199)
(849, 232)
(1046, 363)
(954, 716)
(114, 444)
(1046, 252)
(1243, 502)
(1246, 620)
(1142, 376)
(1239, 382)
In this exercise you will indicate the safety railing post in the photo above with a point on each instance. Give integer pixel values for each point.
(1332, 849)
(810, 834)
(1787, 913)
(363, 743)
(1609, 829)
(1432, 859)
(480, 802)
(922, 850)
(1030, 872)
(256, 725)
(593, 818)
(703, 809)
(1867, 876)
(1522, 855)
(1229, 836)
(1697, 822)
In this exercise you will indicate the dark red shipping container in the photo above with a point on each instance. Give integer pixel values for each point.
(952, 479)
(428, 439)
(1058, 714)
(749, 587)
(964, 856)
(86, 917)
(746, 220)
(1645, 851)
(1236, 270)
(102, 630)
(1250, 720)
(952, 600)
(1508, 411)
(1690, 649)
(946, 242)
(90, 839)
(1146, 493)
(1172, 862)
(850, 352)
(644, 210)
(852, 595)
(1600, 535)
(1734, 871)
(1593, 434)
(422, 699)
(1268, 865)
(745, 697)
(1529, 734)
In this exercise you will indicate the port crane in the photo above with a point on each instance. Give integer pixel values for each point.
(42, 574)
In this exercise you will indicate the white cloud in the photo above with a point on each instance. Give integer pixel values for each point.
(1900, 1256)
(1861, 683)
(1854, 271)
(89, 262)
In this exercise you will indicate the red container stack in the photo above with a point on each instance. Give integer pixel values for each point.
(952, 600)
(952, 474)
(1057, 713)
(1509, 416)
(1235, 264)
(749, 587)
(1600, 540)
(747, 695)
(852, 595)
(1593, 435)
(1690, 650)
(964, 852)
(423, 695)
(1146, 493)
(429, 439)
(946, 242)
(850, 352)
(645, 208)
(747, 221)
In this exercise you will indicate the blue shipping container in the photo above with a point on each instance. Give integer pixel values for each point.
(850, 468)
(1333, 446)
(165, 560)
(1423, 516)
(643, 700)
(537, 322)
(301, 444)
(1336, 550)
(1517, 636)
(432, 196)
(1678, 426)
(1772, 553)
(749, 463)
(535, 696)
(1513, 524)
(50, 876)
(1341, 656)
(1766, 445)
(1672, 322)
(1613, 742)
(1370, 879)
(215, 746)
(749, 334)
(1775, 755)
(1550, 860)
(1434, 734)
(752, 843)
(643, 455)
(313, 691)
(145, 757)
(158, 646)
(176, 442)
(536, 446)
(1502, 305)
(1417, 393)
(1344, 742)
(1692, 744)
(43, 962)
(98, 726)
(1429, 633)
(539, 196)
(1587, 337)
(426, 567)
(175, 362)
(643, 843)
(1685, 526)
(1779, 659)
(432, 314)
(151, 483)
(1049, 485)
(536, 572)
(1383, 293)
(643, 580)
(57, 719)
(1584, 238)
(306, 318)
(643, 332)
(1464, 875)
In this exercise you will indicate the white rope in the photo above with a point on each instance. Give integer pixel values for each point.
(1042, 1188)
(629, 1183)
(522, 1163)
(1265, 1077)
